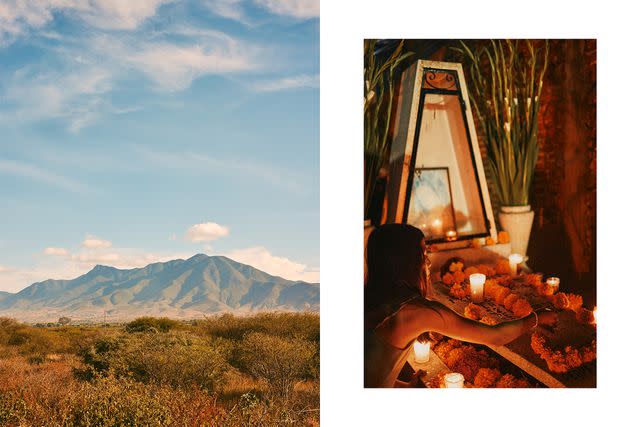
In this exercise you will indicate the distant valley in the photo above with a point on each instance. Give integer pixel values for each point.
(199, 286)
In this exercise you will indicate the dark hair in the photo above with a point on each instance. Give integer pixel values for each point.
(395, 262)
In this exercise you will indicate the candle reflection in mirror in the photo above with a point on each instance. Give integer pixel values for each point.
(451, 235)
(436, 227)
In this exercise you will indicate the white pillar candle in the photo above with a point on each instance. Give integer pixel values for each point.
(476, 283)
(421, 351)
(454, 380)
(554, 282)
(514, 260)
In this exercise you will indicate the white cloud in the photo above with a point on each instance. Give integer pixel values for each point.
(93, 242)
(38, 174)
(76, 94)
(118, 14)
(56, 251)
(172, 67)
(230, 9)
(19, 16)
(302, 9)
(77, 83)
(260, 258)
(206, 232)
(286, 83)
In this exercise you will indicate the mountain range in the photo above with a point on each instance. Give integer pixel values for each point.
(191, 288)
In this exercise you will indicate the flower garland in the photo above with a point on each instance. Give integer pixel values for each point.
(480, 369)
(564, 360)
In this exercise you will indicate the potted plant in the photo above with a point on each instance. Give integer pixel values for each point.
(379, 78)
(505, 86)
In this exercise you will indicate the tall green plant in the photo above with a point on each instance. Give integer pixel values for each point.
(505, 85)
(378, 103)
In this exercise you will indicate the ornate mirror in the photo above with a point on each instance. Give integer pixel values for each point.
(437, 180)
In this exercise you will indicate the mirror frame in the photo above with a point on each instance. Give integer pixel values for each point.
(405, 145)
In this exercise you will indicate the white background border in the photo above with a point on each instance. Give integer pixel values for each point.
(344, 24)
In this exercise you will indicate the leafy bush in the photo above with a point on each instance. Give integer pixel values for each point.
(280, 361)
(289, 325)
(178, 360)
(152, 324)
(122, 402)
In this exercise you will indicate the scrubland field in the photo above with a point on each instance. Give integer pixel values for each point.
(221, 371)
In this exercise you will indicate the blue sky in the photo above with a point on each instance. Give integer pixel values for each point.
(135, 132)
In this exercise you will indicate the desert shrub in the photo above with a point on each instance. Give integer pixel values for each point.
(290, 325)
(119, 402)
(152, 324)
(13, 409)
(251, 410)
(64, 320)
(177, 360)
(280, 361)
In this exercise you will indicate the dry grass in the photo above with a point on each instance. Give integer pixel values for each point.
(46, 388)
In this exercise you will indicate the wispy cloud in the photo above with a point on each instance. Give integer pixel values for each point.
(287, 83)
(203, 164)
(173, 67)
(18, 17)
(301, 9)
(35, 173)
(77, 84)
(76, 94)
(56, 251)
(230, 9)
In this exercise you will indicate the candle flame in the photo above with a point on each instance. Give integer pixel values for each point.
(594, 316)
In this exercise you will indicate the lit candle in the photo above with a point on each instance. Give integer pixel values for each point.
(421, 351)
(514, 260)
(554, 282)
(454, 380)
(436, 226)
(594, 316)
(451, 235)
(476, 282)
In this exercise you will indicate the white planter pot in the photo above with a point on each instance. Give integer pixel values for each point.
(517, 221)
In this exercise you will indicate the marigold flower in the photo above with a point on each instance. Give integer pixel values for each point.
(447, 279)
(502, 267)
(503, 237)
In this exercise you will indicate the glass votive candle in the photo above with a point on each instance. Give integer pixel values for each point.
(514, 260)
(454, 380)
(476, 285)
(421, 351)
(554, 282)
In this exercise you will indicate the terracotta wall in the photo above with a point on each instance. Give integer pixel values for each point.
(565, 182)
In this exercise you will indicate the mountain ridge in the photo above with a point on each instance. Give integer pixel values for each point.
(192, 287)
